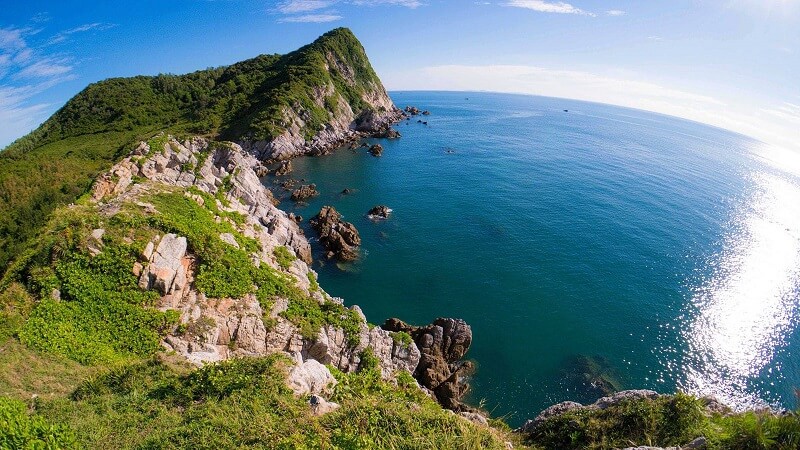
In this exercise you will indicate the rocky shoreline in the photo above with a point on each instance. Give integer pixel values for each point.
(223, 328)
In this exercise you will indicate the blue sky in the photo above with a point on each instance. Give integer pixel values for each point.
(730, 63)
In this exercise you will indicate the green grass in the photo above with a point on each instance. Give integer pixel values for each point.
(245, 403)
(666, 421)
(402, 338)
(283, 256)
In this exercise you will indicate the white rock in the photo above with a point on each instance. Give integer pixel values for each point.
(311, 377)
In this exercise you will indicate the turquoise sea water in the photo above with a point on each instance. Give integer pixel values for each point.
(667, 250)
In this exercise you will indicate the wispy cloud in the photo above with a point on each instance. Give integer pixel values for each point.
(311, 18)
(44, 68)
(548, 7)
(62, 36)
(320, 11)
(29, 65)
(615, 12)
(303, 6)
(407, 3)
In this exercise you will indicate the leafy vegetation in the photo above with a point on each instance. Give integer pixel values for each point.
(310, 316)
(283, 257)
(18, 429)
(57, 162)
(666, 421)
(402, 338)
(245, 403)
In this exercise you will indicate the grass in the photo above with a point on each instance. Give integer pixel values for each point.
(245, 403)
(402, 338)
(666, 421)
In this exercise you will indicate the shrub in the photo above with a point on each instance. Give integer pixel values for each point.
(19, 429)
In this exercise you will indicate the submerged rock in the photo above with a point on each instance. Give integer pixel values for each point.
(441, 370)
(589, 377)
(305, 192)
(340, 238)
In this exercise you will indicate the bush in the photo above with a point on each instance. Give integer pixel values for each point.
(18, 429)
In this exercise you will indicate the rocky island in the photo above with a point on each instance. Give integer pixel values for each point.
(154, 296)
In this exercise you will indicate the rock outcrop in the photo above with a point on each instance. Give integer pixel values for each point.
(376, 150)
(305, 192)
(442, 344)
(166, 269)
(284, 168)
(533, 426)
(310, 377)
(340, 238)
(379, 212)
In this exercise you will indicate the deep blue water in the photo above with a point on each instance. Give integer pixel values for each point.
(667, 250)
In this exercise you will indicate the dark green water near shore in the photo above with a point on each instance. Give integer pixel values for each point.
(666, 251)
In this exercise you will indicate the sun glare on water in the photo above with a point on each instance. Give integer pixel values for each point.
(747, 308)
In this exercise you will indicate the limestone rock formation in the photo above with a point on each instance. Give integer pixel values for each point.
(442, 345)
(310, 377)
(340, 238)
(320, 406)
(376, 150)
(166, 269)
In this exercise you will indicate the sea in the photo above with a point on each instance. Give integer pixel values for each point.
(590, 247)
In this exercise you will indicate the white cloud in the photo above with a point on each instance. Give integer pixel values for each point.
(778, 125)
(28, 67)
(62, 36)
(46, 67)
(292, 10)
(548, 7)
(615, 12)
(301, 6)
(407, 3)
(17, 114)
(311, 18)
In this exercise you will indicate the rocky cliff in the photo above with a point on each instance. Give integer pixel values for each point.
(220, 177)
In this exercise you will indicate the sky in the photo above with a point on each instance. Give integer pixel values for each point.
(734, 64)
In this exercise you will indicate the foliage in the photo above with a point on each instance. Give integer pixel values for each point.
(309, 316)
(312, 282)
(18, 429)
(402, 338)
(245, 403)
(283, 256)
(666, 421)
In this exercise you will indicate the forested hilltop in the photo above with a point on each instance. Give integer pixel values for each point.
(294, 96)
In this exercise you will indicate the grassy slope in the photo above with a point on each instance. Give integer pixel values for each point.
(57, 162)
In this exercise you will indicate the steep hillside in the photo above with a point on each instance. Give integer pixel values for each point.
(310, 100)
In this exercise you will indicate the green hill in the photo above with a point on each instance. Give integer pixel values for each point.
(255, 100)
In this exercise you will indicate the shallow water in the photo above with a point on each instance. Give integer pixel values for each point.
(666, 250)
